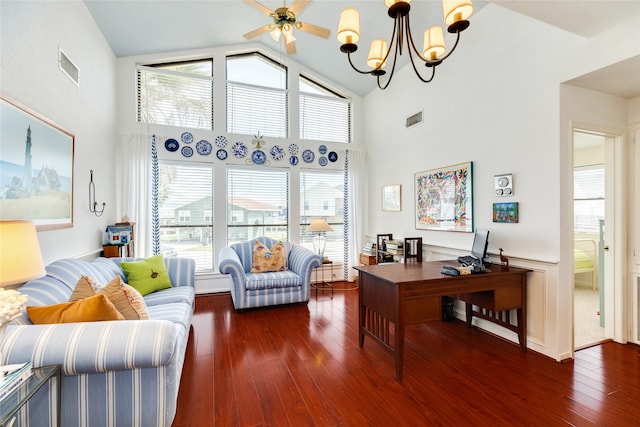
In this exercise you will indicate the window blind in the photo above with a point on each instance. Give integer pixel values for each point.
(322, 196)
(255, 109)
(257, 204)
(324, 115)
(588, 194)
(185, 203)
(175, 98)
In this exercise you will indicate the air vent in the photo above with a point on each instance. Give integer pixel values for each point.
(414, 120)
(68, 67)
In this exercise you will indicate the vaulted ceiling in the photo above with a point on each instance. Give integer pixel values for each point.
(138, 27)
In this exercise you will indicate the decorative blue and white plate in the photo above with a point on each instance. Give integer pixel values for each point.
(221, 141)
(333, 156)
(308, 156)
(293, 160)
(322, 149)
(258, 157)
(323, 161)
(277, 152)
(203, 147)
(187, 137)
(239, 149)
(293, 149)
(187, 151)
(171, 145)
(221, 154)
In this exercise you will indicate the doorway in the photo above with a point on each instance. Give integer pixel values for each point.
(592, 213)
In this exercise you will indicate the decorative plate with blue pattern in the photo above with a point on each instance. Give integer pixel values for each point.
(308, 156)
(203, 147)
(171, 145)
(293, 160)
(333, 156)
(239, 149)
(187, 151)
(186, 137)
(293, 149)
(221, 154)
(277, 152)
(323, 161)
(258, 157)
(322, 149)
(221, 141)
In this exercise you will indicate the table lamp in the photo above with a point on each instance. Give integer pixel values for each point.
(20, 257)
(319, 241)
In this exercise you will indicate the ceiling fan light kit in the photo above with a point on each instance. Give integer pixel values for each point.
(284, 22)
(456, 14)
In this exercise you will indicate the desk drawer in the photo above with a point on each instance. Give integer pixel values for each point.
(497, 300)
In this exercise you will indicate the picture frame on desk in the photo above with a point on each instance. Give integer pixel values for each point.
(444, 198)
(37, 168)
(392, 198)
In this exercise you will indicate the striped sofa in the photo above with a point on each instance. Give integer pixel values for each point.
(251, 290)
(115, 373)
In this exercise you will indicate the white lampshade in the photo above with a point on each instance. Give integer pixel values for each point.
(287, 30)
(275, 34)
(433, 43)
(349, 26)
(377, 53)
(390, 3)
(20, 257)
(456, 10)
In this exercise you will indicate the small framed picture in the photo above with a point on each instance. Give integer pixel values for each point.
(505, 212)
(391, 198)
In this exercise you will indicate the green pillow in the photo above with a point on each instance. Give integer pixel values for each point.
(147, 275)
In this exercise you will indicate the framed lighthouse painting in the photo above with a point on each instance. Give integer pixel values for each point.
(36, 168)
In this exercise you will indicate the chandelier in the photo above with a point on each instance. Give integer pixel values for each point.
(456, 13)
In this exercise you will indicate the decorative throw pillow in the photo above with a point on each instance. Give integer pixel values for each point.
(128, 301)
(92, 309)
(147, 275)
(265, 259)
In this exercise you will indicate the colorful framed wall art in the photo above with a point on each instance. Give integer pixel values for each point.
(444, 198)
(505, 212)
(36, 173)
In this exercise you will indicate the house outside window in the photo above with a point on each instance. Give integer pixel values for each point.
(184, 217)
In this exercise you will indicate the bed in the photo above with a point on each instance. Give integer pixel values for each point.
(584, 259)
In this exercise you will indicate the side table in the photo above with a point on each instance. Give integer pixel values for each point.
(323, 284)
(25, 391)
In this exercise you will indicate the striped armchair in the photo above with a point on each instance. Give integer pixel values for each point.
(251, 290)
(122, 373)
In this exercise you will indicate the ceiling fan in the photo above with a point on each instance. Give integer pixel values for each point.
(284, 22)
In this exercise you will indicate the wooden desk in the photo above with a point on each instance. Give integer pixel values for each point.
(392, 296)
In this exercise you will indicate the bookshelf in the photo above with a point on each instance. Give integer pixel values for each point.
(389, 249)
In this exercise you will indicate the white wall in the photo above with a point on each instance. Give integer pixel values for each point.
(30, 34)
(496, 102)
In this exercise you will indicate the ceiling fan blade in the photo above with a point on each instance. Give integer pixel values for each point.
(315, 30)
(290, 48)
(262, 8)
(257, 32)
(297, 6)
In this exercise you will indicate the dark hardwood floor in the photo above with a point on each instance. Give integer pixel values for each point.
(302, 366)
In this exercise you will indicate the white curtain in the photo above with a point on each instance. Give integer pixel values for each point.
(357, 205)
(133, 182)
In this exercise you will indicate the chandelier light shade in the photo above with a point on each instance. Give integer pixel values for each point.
(20, 257)
(434, 52)
(319, 241)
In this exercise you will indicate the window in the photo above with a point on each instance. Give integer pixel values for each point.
(588, 194)
(324, 115)
(177, 94)
(322, 196)
(257, 201)
(256, 96)
(185, 203)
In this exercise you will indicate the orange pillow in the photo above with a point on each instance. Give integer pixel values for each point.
(92, 309)
(265, 259)
(128, 301)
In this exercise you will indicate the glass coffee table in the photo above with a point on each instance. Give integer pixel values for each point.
(10, 405)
